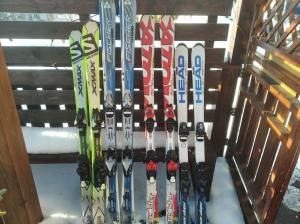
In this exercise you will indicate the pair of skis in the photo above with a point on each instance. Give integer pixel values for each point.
(99, 184)
(167, 29)
(198, 168)
(107, 23)
(147, 33)
(84, 52)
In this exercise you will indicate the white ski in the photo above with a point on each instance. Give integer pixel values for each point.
(181, 64)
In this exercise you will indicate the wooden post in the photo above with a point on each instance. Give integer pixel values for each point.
(21, 200)
(238, 36)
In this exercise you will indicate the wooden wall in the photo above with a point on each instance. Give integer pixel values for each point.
(265, 144)
(50, 80)
(21, 200)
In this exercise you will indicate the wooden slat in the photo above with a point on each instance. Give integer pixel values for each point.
(63, 78)
(59, 56)
(258, 148)
(155, 7)
(291, 6)
(279, 73)
(274, 123)
(21, 200)
(242, 194)
(53, 97)
(61, 116)
(288, 61)
(62, 30)
(274, 88)
(223, 107)
(250, 138)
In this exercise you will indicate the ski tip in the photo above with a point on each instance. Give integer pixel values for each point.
(166, 18)
(75, 33)
(198, 45)
(181, 45)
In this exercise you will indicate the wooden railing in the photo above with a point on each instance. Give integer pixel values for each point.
(265, 144)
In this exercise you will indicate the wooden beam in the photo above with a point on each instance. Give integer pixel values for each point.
(53, 97)
(21, 200)
(62, 30)
(59, 56)
(154, 7)
(68, 116)
(240, 31)
(235, 53)
(52, 79)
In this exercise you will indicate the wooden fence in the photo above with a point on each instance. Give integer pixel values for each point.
(265, 144)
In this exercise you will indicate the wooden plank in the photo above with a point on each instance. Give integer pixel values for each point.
(282, 172)
(68, 116)
(258, 148)
(287, 61)
(275, 88)
(211, 19)
(63, 78)
(223, 107)
(59, 56)
(275, 124)
(278, 73)
(243, 20)
(235, 52)
(53, 97)
(291, 7)
(62, 30)
(290, 29)
(266, 163)
(270, 16)
(242, 193)
(250, 138)
(154, 7)
(21, 201)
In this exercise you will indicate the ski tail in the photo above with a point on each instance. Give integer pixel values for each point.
(147, 33)
(127, 16)
(167, 32)
(77, 59)
(90, 44)
(199, 166)
(181, 66)
(107, 13)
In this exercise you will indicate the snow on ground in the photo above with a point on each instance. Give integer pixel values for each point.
(59, 193)
(292, 195)
(64, 140)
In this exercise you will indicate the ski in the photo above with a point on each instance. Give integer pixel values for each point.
(84, 169)
(199, 168)
(127, 17)
(107, 13)
(147, 33)
(181, 65)
(167, 31)
(90, 45)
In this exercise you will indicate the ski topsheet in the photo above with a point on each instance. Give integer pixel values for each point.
(127, 16)
(199, 169)
(147, 33)
(167, 31)
(181, 65)
(84, 169)
(107, 22)
(90, 44)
